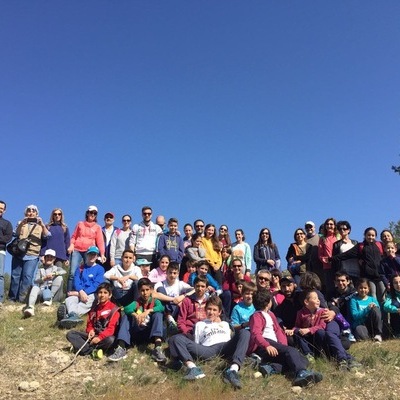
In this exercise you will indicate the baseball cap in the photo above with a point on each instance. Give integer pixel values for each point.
(50, 252)
(142, 261)
(109, 213)
(309, 223)
(287, 278)
(92, 208)
(93, 249)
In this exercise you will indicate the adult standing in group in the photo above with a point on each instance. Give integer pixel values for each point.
(143, 237)
(325, 247)
(120, 241)
(351, 266)
(59, 240)
(242, 250)
(108, 229)
(212, 248)
(265, 252)
(86, 234)
(23, 269)
(199, 226)
(298, 255)
(312, 238)
(6, 232)
(224, 237)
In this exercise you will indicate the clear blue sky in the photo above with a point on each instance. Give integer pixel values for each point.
(252, 114)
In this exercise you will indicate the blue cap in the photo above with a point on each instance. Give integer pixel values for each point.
(93, 249)
(142, 261)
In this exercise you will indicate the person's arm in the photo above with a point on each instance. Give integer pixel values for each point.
(212, 282)
(7, 235)
(257, 325)
(181, 250)
(247, 257)
(290, 253)
(356, 312)
(132, 239)
(161, 246)
(111, 327)
(100, 242)
(318, 325)
(113, 245)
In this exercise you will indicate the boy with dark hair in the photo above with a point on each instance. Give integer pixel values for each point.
(212, 337)
(171, 243)
(269, 341)
(143, 321)
(242, 312)
(101, 325)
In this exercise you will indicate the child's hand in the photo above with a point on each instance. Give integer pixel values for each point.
(95, 340)
(371, 305)
(83, 297)
(272, 351)
(289, 332)
(304, 331)
(91, 334)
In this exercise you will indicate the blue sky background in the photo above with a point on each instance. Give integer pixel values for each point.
(252, 114)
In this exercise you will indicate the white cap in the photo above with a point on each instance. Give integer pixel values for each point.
(92, 208)
(50, 252)
(309, 223)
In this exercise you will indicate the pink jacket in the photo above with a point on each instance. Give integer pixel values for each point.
(88, 234)
(257, 326)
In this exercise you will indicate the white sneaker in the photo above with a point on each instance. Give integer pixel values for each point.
(47, 303)
(378, 338)
(29, 312)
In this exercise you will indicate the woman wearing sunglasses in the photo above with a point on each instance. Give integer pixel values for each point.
(86, 234)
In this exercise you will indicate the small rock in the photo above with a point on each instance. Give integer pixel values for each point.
(359, 374)
(134, 366)
(58, 357)
(296, 389)
(136, 361)
(21, 328)
(88, 379)
(34, 385)
(257, 374)
(130, 377)
(24, 386)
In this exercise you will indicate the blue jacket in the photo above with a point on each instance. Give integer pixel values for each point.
(88, 278)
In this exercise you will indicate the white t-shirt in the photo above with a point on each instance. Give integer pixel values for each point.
(269, 332)
(174, 290)
(208, 333)
(119, 272)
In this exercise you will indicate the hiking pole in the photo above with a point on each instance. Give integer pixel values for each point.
(73, 359)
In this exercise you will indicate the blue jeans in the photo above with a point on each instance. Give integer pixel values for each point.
(76, 258)
(23, 272)
(2, 262)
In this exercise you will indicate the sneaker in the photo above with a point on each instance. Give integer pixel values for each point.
(75, 317)
(97, 354)
(29, 312)
(172, 328)
(232, 377)
(351, 338)
(61, 312)
(378, 338)
(119, 354)
(158, 355)
(48, 303)
(267, 370)
(193, 374)
(305, 378)
(353, 364)
(254, 360)
(310, 358)
(343, 365)
(68, 323)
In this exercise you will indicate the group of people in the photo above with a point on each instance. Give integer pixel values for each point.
(150, 283)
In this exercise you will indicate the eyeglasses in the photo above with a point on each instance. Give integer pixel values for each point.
(31, 210)
(299, 233)
(126, 220)
(330, 224)
(343, 228)
(199, 226)
(147, 213)
(223, 229)
(57, 213)
(109, 217)
(309, 226)
(265, 233)
(93, 212)
(263, 278)
(276, 276)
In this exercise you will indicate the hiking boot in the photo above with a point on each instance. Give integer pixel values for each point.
(172, 328)
(119, 354)
(97, 354)
(305, 378)
(61, 312)
(29, 312)
(267, 370)
(68, 323)
(193, 374)
(254, 360)
(158, 355)
(232, 377)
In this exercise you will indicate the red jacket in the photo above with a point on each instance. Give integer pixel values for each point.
(314, 322)
(257, 326)
(190, 312)
(99, 313)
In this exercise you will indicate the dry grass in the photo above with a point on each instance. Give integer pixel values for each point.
(25, 346)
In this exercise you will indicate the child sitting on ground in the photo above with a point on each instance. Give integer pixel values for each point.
(365, 313)
(159, 274)
(313, 339)
(47, 283)
(202, 268)
(124, 276)
(101, 325)
(269, 342)
(392, 305)
(142, 322)
(196, 251)
(190, 269)
(212, 337)
(87, 278)
(390, 265)
(172, 287)
(242, 311)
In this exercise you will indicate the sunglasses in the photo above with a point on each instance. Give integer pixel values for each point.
(223, 229)
(262, 278)
(57, 213)
(147, 213)
(199, 226)
(93, 212)
(126, 220)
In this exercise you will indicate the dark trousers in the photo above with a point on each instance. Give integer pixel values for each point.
(372, 325)
(288, 359)
(77, 339)
(186, 349)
